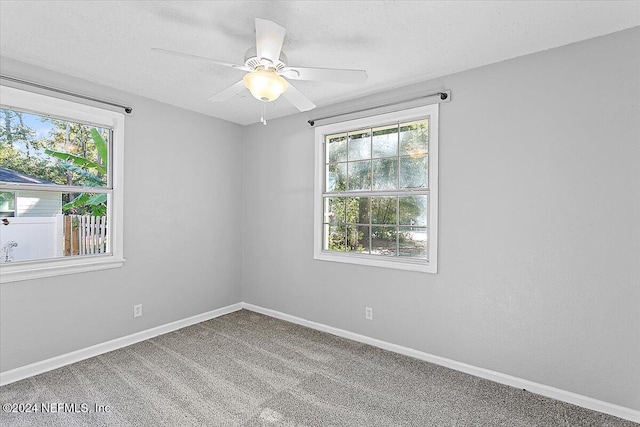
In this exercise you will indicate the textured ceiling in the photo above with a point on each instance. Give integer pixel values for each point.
(397, 42)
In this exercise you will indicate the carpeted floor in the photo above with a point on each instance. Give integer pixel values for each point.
(246, 369)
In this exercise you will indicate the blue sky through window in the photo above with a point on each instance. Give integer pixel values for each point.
(41, 126)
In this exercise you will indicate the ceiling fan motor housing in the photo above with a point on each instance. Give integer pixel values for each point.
(252, 61)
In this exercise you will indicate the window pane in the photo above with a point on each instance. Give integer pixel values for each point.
(53, 224)
(383, 241)
(334, 210)
(360, 175)
(7, 204)
(413, 172)
(358, 238)
(336, 147)
(43, 150)
(358, 210)
(414, 138)
(412, 242)
(413, 210)
(385, 174)
(336, 177)
(385, 141)
(335, 238)
(383, 210)
(359, 145)
(387, 199)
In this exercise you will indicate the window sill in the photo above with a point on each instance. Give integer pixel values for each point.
(368, 260)
(13, 272)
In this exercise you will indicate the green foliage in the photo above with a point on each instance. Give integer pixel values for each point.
(80, 162)
(96, 204)
(89, 173)
(13, 131)
(385, 219)
(414, 138)
(336, 240)
(71, 154)
(397, 160)
(344, 234)
(100, 144)
(31, 165)
(19, 147)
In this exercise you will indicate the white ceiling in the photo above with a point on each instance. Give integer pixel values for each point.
(397, 42)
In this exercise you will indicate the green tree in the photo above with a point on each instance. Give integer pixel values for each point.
(19, 148)
(72, 154)
(88, 169)
(348, 212)
(14, 132)
(398, 161)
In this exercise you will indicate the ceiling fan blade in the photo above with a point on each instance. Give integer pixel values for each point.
(204, 58)
(269, 38)
(229, 92)
(324, 74)
(298, 100)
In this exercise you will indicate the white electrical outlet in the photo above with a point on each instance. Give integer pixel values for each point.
(368, 313)
(137, 310)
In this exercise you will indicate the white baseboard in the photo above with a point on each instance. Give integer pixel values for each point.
(541, 389)
(33, 369)
(27, 371)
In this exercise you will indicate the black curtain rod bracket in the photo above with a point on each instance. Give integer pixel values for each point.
(126, 109)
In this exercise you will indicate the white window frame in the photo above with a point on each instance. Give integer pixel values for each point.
(13, 98)
(426, 266)
(15, 200)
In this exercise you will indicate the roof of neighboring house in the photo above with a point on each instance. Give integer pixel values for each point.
(9, 175)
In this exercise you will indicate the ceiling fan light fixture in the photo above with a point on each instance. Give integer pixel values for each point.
(265, 85)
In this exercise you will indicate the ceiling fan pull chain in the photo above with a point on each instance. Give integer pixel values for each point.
(263, 119)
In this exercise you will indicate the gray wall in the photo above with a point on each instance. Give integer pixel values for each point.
(181, 230)
(539, 228)
(539, 257)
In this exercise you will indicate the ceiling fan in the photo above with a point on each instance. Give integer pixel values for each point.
(267, 70)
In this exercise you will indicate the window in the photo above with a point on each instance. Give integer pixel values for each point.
(60, 186)
(376, 199)
(7, 204)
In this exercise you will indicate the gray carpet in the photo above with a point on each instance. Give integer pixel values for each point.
(246, 369)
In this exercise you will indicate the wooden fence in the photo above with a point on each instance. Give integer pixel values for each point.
(85, 235)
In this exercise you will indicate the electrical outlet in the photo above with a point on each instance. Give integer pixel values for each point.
(137, 310)
(368, 313)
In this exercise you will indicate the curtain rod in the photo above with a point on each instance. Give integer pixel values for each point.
(126, 109)
(443, 96)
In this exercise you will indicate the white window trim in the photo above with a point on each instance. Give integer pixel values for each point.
(430, 266)
(42, 104)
